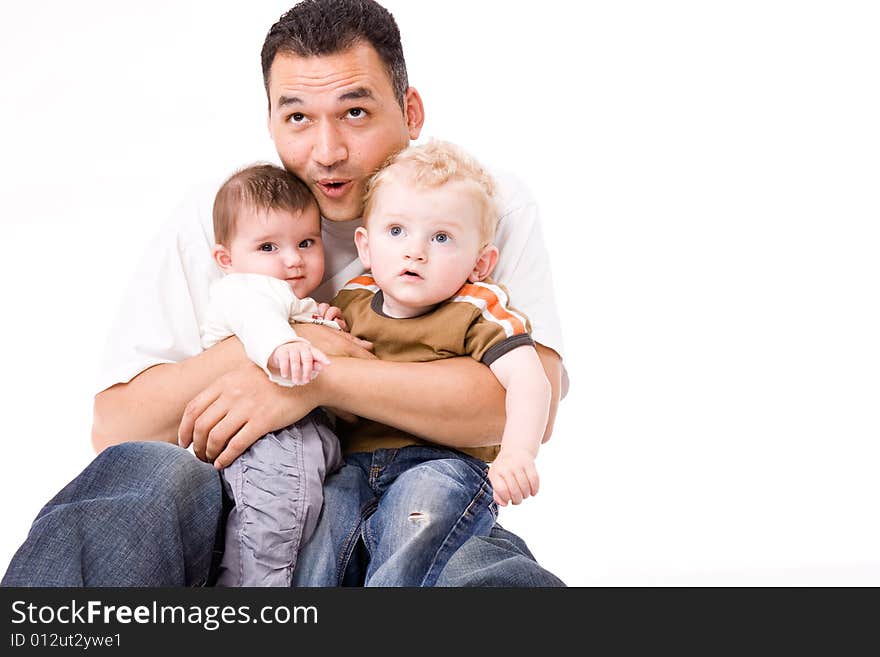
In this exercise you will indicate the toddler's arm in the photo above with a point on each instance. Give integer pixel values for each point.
(513, 473)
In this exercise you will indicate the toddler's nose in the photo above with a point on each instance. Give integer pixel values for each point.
(415, 251)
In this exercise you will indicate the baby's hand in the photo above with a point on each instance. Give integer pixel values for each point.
(513, 476)
(298, 361)
(331, 313)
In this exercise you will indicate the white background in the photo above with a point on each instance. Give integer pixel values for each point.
(708, 175)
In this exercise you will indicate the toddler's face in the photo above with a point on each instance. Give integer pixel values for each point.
(278, 243)
(421, 243)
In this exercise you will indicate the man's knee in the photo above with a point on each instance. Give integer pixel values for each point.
(489, 561)
(160, 466)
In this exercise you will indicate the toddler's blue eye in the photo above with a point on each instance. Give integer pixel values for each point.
(442, 238)
(394, 231)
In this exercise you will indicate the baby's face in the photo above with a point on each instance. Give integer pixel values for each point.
(282, 244)
(422, 243)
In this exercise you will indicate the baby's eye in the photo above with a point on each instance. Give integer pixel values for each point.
(394, 231)
(442, 238)
(306, 243)
(267, 247)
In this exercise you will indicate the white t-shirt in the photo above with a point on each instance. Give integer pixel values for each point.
(167, 301)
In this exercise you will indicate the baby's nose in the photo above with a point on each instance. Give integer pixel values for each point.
(292, 259)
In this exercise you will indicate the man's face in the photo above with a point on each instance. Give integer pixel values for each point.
(334, 120)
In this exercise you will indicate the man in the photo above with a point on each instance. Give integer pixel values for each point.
(149, 514)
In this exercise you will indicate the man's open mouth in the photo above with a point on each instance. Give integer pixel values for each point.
(334, 188)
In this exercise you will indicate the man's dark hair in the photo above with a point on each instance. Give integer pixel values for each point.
(326, 27)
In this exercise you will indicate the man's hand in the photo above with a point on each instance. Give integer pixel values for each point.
(229, 415)
(513, 476)
(333, 342)
(336, 343)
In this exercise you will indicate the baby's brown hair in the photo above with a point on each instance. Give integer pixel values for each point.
(258, 187)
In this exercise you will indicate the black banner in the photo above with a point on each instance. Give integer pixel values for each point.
(441, 621)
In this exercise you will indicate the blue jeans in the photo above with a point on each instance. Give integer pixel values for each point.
(150, 514)
(409, 509)
(141, 514)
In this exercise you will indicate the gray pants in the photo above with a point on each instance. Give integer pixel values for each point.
(277, 487)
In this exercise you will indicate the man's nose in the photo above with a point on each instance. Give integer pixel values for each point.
(329, 148)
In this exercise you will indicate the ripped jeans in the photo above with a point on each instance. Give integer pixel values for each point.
(394, 517)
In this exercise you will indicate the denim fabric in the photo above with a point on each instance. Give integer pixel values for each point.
(394, 517)
(276, 485)
(141, 514)
(500, 559)
(150, 514)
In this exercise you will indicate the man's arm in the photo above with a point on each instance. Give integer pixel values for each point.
(149, 407)
(456, 402)
(227, 416)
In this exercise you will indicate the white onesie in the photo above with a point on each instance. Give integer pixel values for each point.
(258, 310)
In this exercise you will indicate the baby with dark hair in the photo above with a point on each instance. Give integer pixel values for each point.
(267, 230)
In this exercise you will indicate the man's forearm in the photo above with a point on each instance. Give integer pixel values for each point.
(455, 402)
(149, 407)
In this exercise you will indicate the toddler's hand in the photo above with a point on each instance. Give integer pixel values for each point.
(513, 475)
(332, 313)
(298, 361)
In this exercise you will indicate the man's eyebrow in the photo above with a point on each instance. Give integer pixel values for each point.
(356, 94)
(288, 100)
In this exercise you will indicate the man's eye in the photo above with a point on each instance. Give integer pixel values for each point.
(306, 243)
(394, 231)
(357, 112)
(297, 117)
(442, 238)
(268, 247)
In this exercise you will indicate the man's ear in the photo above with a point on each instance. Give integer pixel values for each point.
(363, 246)
(485, 263)
(415, 112)
(221, 256)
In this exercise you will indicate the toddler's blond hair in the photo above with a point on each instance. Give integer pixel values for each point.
(434, 164)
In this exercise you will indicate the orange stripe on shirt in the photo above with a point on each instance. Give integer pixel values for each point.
(493, 304)
(362, 280)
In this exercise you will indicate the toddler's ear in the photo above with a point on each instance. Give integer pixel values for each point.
(363, 246)
(221, 256)
(485, 263)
